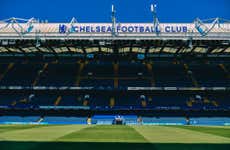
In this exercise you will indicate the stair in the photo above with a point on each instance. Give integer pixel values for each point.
(13, 103)
(225, 70)
(85, 103)
(23, 100)
(206, 101)
(45, 66)
(81, 67)
(9, 67)
(40, 120)
(116, 69)
(112, 102)
(194, 81)
(143, 103)
(150, 70)
(215, 103)
(57, 101)
(189, 103)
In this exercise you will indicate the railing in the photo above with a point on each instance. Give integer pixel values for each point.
(135, 36)
(101, 88)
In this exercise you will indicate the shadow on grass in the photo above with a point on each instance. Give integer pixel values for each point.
(13, 145)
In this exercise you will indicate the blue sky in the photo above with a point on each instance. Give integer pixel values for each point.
(127, 10)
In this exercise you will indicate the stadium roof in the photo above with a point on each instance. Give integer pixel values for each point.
(22, 36)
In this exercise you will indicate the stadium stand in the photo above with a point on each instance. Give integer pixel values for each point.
(171, 75)
(57, 72)
(131, 75)
(210, 75)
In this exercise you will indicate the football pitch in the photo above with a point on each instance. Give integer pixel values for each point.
(108, 137)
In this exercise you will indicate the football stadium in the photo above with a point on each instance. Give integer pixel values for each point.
(139, 86)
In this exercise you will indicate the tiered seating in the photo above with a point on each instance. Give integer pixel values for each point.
(210, 76)
(133, 70)
(101, 100)
(21, 75)
(94, 69)
(202, 103)
(44, 100)
(222, 100)
(2, 69)
(133, 75)
(128, 100)
(97, 75)
(171, 75)
(227, 67)
(168, 100)
(71, 100)
(9, 99)
(103, 75)
(59, 75)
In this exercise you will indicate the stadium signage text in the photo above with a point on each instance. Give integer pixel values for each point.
(63, 28)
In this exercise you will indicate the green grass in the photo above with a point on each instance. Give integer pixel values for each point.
(106, 137)
(105, 133)
(15, 127)
(225, 132)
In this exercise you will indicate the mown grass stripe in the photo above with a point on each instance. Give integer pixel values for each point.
(9, 128)
(112, 138)
(169, 134)
(105, 133)
(44, 133)
(218, 131)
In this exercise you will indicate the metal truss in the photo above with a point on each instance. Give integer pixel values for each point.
(203, 29)
(15, 24)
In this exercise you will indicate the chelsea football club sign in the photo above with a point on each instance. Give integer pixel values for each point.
(126, 28)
